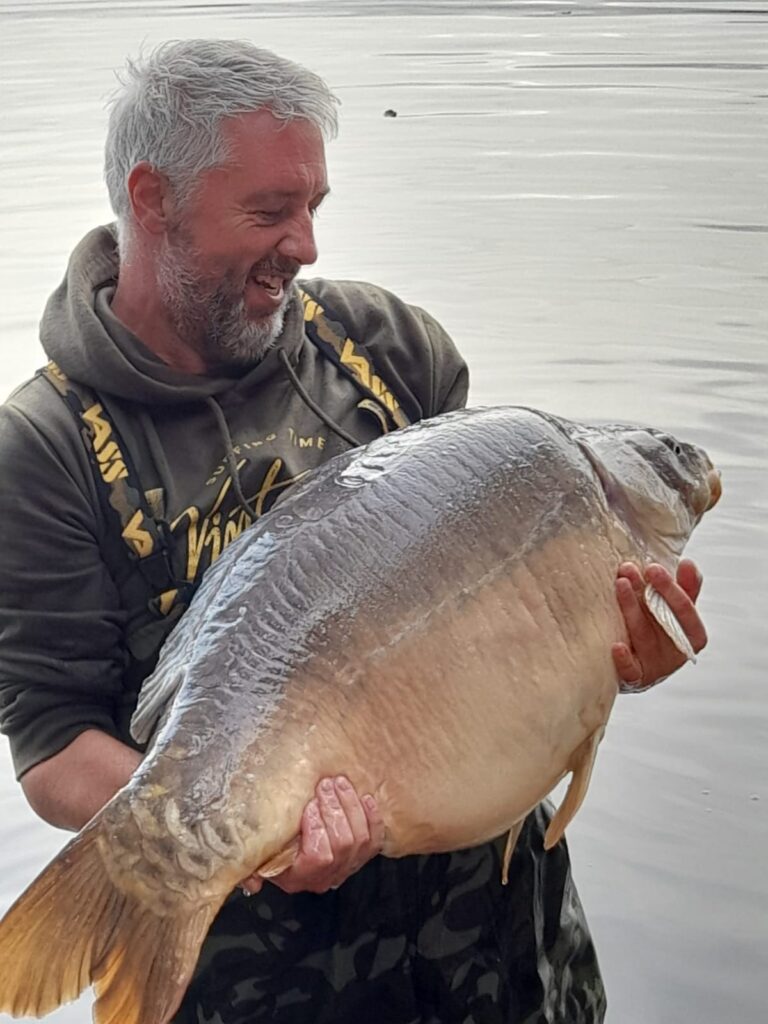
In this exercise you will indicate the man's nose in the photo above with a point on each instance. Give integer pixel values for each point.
(298, 243)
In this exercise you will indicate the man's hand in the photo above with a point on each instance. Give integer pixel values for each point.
(339, 833)
(651, 656)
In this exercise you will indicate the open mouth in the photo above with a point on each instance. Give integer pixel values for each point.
(272, 284)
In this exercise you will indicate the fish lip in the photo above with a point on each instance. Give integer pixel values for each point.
(715, 484)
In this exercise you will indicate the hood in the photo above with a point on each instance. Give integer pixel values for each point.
(82, 336)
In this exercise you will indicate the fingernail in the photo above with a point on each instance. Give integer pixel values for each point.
(369, 802)
(326, 786)
(342, 782)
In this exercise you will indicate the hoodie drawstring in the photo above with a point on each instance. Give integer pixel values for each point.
(309, 401)
(223, 426)
(234, 473)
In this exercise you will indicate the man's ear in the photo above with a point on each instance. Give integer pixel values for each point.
(151, 198)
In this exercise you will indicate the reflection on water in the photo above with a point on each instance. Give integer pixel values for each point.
(735, 227)
(578, 191)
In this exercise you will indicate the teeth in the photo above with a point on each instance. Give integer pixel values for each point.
(273, 285)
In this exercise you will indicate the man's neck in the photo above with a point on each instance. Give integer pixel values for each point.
(137, 306)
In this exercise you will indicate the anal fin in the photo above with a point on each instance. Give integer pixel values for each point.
(580, 765)
(512, 837)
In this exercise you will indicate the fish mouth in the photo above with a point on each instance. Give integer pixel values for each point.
(715, 488)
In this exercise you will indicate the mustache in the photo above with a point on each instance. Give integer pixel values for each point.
(280, 266)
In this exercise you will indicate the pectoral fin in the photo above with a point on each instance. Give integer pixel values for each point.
(282, 860)
(509, 849)
(668, 621)
(580, 765)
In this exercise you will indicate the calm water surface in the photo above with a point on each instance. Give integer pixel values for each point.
(578, 191)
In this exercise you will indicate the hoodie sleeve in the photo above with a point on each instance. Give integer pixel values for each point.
(61, 627)
(449, 382)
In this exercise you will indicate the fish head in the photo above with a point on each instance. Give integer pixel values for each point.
(659, 486)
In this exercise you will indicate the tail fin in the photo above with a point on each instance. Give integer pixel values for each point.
(72, 928)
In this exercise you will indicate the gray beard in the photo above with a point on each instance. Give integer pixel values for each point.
(214, 322)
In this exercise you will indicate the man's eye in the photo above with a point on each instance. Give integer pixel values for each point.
(270, 216)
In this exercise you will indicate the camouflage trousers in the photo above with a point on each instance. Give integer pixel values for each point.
(422, 940)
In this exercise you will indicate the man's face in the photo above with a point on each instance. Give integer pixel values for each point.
(235, 246)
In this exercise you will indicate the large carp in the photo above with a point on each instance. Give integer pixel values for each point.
(438, 606)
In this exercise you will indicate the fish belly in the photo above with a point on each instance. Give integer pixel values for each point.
(461, 720)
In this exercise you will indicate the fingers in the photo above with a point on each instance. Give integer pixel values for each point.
(376, 827)
(363, 816)
(640, 627)
(689, 578)
(629, 571)
(680, 600)
(339, 827)
(629, 669)
(315, 841)
(348, 821)
(339, 833)
(650, 656)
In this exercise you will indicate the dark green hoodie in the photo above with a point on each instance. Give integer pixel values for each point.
(432, 939)
(76, 633)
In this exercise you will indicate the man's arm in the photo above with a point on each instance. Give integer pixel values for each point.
(66, 790)
(339, 831)
(62, 649)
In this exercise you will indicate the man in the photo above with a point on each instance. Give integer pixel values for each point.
(192, 382)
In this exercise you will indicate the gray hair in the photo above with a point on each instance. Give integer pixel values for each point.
(170, 105)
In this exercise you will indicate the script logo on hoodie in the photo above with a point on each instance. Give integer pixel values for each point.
(209, 526)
